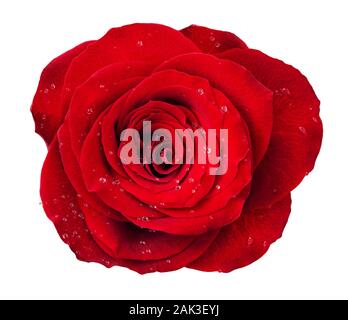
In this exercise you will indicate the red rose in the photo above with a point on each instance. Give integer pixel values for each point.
(150, 217)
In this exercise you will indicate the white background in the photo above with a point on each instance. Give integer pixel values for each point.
(310, 261)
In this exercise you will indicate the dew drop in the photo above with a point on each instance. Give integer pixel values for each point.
(64, 219)
(178, 187)
(191, 180)
(65, 236)
(282, 91)
(45, 91)
(302, 130)
(212, 38)
(143, 243)
(315, 119)
(148, 251)
(111, 152)
(218, 187)
(102, 86)
(121, 190)
(250, 241)
(211, 217)
(115, 182)
(102, 180)
(264, 243)
(89, 111)
(275, 190)
(217, 45)
(168, 261)
(194, 190)
(224, 108)
(140, 43)
(200, 91)
(52, 86)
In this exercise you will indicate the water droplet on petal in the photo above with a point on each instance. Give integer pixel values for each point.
(302, 130)
(217, 45)
(178, 187)
(200, 91)
(64, 219)
(148, 251)
(218, 187)
(282, 91)
(168, 261)
(250, 241)
(102, 180)
(140, 43)
(224, 108)
(275, 190)
(211, 217)
(191, 180)
(115, 181)
(143, 243)
(65, 236)
(45, 91)
(315, 119)
(212, 38)
(194, 190)
(89, 111)
(52, 86)
(121, 190)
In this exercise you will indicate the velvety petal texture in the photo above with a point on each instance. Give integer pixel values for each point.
(180, 212)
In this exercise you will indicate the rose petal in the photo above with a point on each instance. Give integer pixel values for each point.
(245, 240)
(46, 108)
(135, 42)
(250, 97)
(297, 128)
(126, 241)
(212, 41)
(59, 201)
